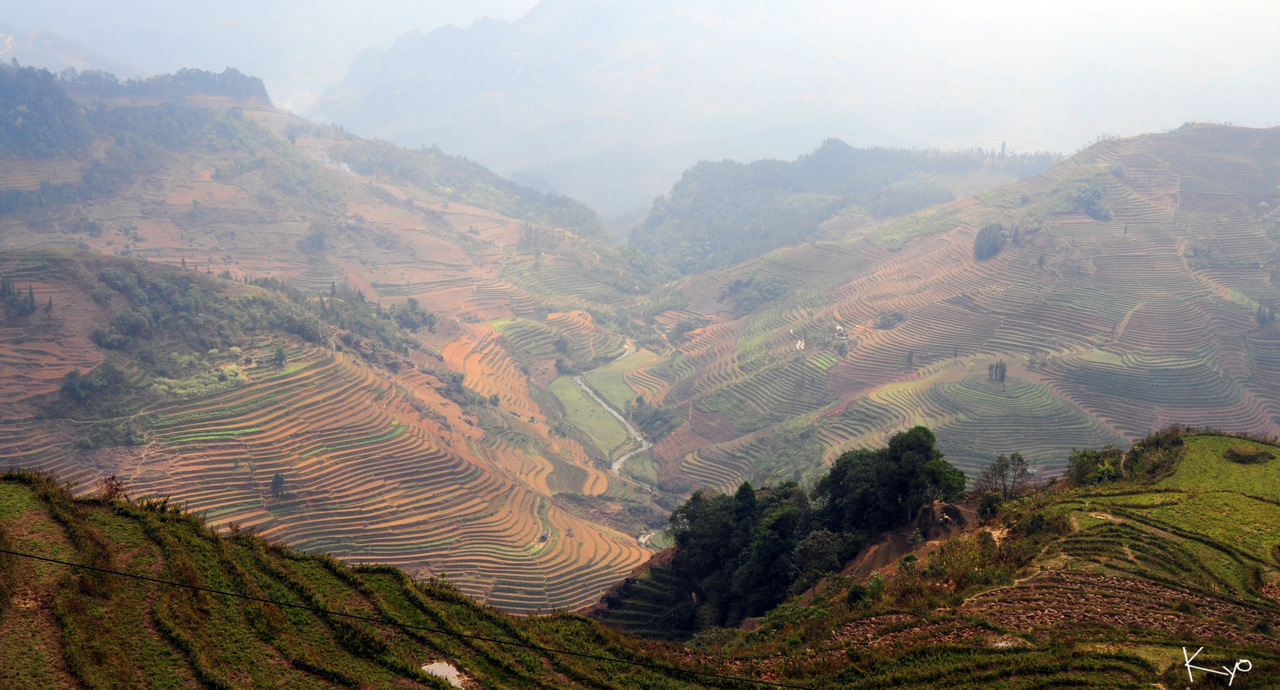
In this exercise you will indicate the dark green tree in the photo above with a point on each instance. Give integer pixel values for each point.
(277, 485)
(990, 240)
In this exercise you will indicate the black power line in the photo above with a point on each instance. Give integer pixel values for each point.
(383, 621)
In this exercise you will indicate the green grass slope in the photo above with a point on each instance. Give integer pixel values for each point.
(66, 627)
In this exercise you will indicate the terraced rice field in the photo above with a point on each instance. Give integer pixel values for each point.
(1112, 327)
(366, 480)
(31, 174)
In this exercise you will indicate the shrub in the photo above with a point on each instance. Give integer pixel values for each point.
(989, 506)
(1247, 454)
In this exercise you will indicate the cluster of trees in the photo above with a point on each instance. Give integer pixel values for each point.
(411, 317)
(741, 555)
(185, 82)
(1083, 196)
(996, 371)
(191, 308)
(1149, 458)
(37, 118)
(756, 293)
(1008, 476)
(366, 328)
(681, 329)
(18, 303)
(159, 309)
(990, 241)
(721, 213)
(465, 181)
(655, 422)
(890, 319)
(105, 381)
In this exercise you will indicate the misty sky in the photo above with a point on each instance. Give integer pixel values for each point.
(1039, 75)
(296, 46)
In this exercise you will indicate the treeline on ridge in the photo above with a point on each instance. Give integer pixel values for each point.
(43, 121)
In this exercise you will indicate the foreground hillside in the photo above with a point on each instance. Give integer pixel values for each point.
(63, 627)
(1101, 585)
(1096, 586)
(1130, 287)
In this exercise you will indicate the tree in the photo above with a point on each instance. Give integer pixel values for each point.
(989, 242)
(1007, 476)
(281, 355)
(869, 491)
(1091, 466)
(277, 485)
(815, 555)
(996, 372)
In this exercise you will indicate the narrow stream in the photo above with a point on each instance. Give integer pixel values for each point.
(644, 444)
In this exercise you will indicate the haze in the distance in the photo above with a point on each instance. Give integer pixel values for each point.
(610, 101)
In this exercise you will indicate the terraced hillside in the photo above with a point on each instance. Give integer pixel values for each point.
(64, 627)
(1082, 586)
(1131, 287)
(516, 294)
(1094, 587)
(303, 442)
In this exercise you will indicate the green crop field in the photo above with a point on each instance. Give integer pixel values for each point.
(608, 434)
(1206, 467)
(610, 385)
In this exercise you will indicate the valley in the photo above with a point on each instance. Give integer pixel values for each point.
(570, 392)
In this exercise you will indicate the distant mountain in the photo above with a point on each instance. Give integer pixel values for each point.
(727, 212)
(611, 101)
(606, 101)
(55, 53)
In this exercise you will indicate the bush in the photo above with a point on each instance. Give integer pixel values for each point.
(1247, 454)
(989, 506)
(1091, 466)
(890, 319)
